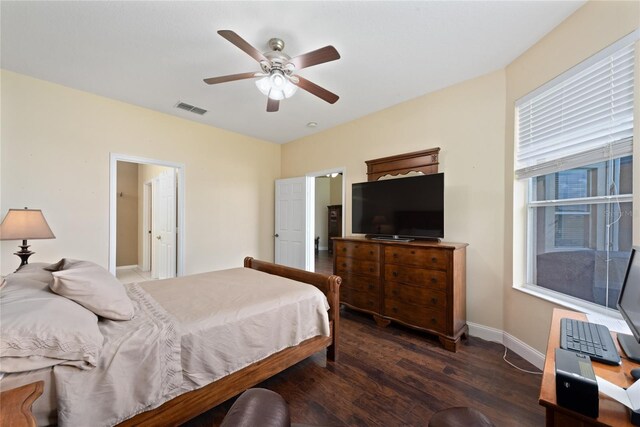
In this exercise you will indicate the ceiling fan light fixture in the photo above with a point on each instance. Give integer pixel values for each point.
(276, 85)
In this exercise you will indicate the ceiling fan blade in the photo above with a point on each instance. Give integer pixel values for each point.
(231, 77)
(319, 56)
(243, 45)
(273, 105)
(316, 90)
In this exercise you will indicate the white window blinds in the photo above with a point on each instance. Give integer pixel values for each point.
(583, 116)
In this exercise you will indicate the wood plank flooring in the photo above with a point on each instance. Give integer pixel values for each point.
(323, 262)
(397, 377)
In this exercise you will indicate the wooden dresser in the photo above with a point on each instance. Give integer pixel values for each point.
(419, 284)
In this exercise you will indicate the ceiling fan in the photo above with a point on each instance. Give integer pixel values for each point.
(277, 79)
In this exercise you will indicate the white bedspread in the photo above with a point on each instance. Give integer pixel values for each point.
(240, 316)
(188, 332)
(139, 368)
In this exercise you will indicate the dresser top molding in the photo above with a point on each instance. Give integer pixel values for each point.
(422, 243)
(425, 161)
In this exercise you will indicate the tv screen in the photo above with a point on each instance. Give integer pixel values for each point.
(403, 207)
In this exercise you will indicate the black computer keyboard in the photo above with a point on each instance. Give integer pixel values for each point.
(587, 338)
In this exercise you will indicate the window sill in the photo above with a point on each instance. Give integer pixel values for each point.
(567, 301)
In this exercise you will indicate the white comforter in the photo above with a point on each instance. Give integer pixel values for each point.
(188, 332)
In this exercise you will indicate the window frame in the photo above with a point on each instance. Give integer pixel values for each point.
(525, 180)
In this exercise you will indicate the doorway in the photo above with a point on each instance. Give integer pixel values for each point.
(295, 218)
(328, 219)
(146, 218)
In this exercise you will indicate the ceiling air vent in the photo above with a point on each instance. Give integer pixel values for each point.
(191, 108)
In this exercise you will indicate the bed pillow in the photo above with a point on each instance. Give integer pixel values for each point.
(41, 329)
(94, 288)
(55, 267)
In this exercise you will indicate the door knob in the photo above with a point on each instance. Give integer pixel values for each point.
(276, 235)
(158, 237)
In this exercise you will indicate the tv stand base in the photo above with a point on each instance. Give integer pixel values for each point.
(392, 238)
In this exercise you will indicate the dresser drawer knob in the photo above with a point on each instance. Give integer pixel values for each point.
(433, 321)
(344, 264)
(434, 280)
(413, 252)
(434, 259)
(371, 270)
(395, 274)
(344, 249)
(434, 300)
(370, 287)
(370, 252)
(395, 309)
(395, 255)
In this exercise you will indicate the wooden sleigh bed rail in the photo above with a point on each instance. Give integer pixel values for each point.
(191, 404)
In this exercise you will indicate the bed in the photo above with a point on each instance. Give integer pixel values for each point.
(172, 360)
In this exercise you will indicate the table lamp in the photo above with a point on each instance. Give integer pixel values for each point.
(24, 224)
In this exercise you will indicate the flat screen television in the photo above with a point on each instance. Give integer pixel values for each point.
(629, 306)
(401, 208)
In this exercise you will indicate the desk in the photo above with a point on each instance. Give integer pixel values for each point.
(612, 413)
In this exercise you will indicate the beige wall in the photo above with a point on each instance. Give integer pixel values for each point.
(62, 138)
(590, 29)
(467, 122)
(335, 185)
(127, 214)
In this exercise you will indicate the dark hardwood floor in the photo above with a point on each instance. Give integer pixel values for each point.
(324, 262)
(397, 377)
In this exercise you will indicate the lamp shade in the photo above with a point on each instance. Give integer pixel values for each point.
(25, 224)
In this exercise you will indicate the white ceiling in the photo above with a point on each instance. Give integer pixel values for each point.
(154, 54)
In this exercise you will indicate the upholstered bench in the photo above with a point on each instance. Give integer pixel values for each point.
(460, 417)
(258, 407)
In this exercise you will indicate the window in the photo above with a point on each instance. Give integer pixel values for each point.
(574, 149)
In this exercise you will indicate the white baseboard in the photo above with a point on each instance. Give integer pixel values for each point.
(126, 267)
(323, 248)
(522, 349)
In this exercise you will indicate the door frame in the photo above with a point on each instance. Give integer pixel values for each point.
(114, 158)
(310, 210)
(147, 247)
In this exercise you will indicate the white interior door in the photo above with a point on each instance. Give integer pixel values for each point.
(291, 227)
(164, 225)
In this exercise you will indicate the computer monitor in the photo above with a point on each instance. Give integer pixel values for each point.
(629, 306)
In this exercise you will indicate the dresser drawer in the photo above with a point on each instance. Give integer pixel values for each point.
(417, 295)
(420, 257)
(362, 300)
(434, 320)
(363, 251)
(360, 283)
(346, 265)
(431, 279)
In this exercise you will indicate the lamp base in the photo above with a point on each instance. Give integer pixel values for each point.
(24, 253)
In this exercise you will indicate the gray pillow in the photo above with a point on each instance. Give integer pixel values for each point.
(57, 266)
(42, 329)
(94, 288)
